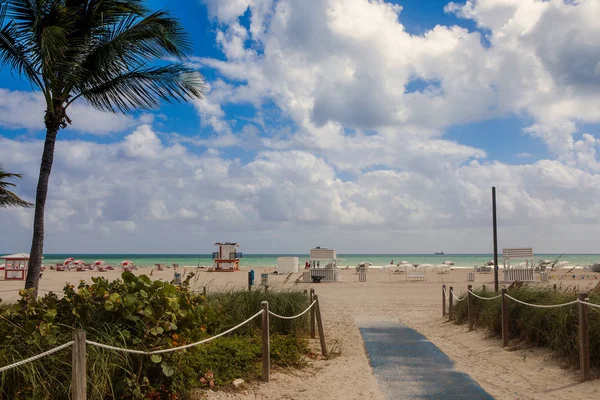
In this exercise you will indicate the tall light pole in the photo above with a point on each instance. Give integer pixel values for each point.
(495, 224)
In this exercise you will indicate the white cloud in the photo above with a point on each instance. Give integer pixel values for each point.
(132, 196)
(25, 110)
(339, 64)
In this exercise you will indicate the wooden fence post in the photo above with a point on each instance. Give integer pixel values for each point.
(470, 307)
(266, 344)
(484, 288)
(266, 288)
(320, 325)
(78, 377)
(249, 281)
(204, 291)
(584, 340)
(504, 319)
(450, 303)
(443, 300)
(554, 286)
(312, 314)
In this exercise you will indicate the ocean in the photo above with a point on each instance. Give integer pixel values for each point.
(270, 260)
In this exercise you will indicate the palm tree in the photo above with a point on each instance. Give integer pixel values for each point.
(8, 198)
(100, 51)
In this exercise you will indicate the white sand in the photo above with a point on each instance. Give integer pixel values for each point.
(517, 374)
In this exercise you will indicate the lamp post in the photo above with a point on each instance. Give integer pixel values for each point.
(495, 224)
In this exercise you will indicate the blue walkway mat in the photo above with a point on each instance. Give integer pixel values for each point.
(408, 366)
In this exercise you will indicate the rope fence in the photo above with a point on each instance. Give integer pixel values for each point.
(584, 344)
(295, 316)
(78, 386)
(187, 346)
(37, 357)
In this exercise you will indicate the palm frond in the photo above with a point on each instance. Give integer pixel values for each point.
(8, 198)
(144, 88)
(16, 55)
(131, 43)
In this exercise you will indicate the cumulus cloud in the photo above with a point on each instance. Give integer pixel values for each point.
(340, 64)
(125, 195)
(25, 110)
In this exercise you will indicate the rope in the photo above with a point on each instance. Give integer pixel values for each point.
(30, 359)
(457, 299)
(588, 304)
(105, 346)
(295, 316)
(485, 298)
(544, 306)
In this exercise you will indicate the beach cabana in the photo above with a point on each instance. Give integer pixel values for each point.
(15, 266)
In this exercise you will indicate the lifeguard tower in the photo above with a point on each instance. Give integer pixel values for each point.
(15, 266)
(227, 259)
(323, 266)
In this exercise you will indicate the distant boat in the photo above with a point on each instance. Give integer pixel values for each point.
(439, 254)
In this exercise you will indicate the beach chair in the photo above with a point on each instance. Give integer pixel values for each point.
(416, 274)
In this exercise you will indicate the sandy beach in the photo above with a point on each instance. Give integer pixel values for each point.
(386, 296)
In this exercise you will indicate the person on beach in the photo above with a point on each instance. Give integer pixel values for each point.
(307, 266)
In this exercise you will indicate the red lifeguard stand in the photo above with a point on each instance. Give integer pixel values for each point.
(227, 259)
(15, 266)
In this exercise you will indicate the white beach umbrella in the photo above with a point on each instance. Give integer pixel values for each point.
(425, 265)
(78, 262)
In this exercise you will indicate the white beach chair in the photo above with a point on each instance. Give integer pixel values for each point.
(415, 274)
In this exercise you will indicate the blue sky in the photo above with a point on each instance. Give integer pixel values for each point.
(336, 120)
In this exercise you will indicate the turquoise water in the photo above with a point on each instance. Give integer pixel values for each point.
(270, 260)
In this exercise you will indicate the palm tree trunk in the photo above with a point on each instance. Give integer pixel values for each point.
(37, 244)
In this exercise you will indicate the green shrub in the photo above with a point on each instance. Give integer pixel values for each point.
(138, 313)
(554, 328)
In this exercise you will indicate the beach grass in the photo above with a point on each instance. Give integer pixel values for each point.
(552, 328)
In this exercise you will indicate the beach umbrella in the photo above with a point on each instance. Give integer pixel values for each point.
(364, 264)
(425, 265)
(68, 260)
(126, 262)
(78, 262)
(405, 262)
(99, 262)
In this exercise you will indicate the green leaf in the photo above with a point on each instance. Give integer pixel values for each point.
(109, 305)
(157, 331)
(167, 369)
(156, 358)
(130, 300)
(129, 278)
(148, 312)
(50, 315)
